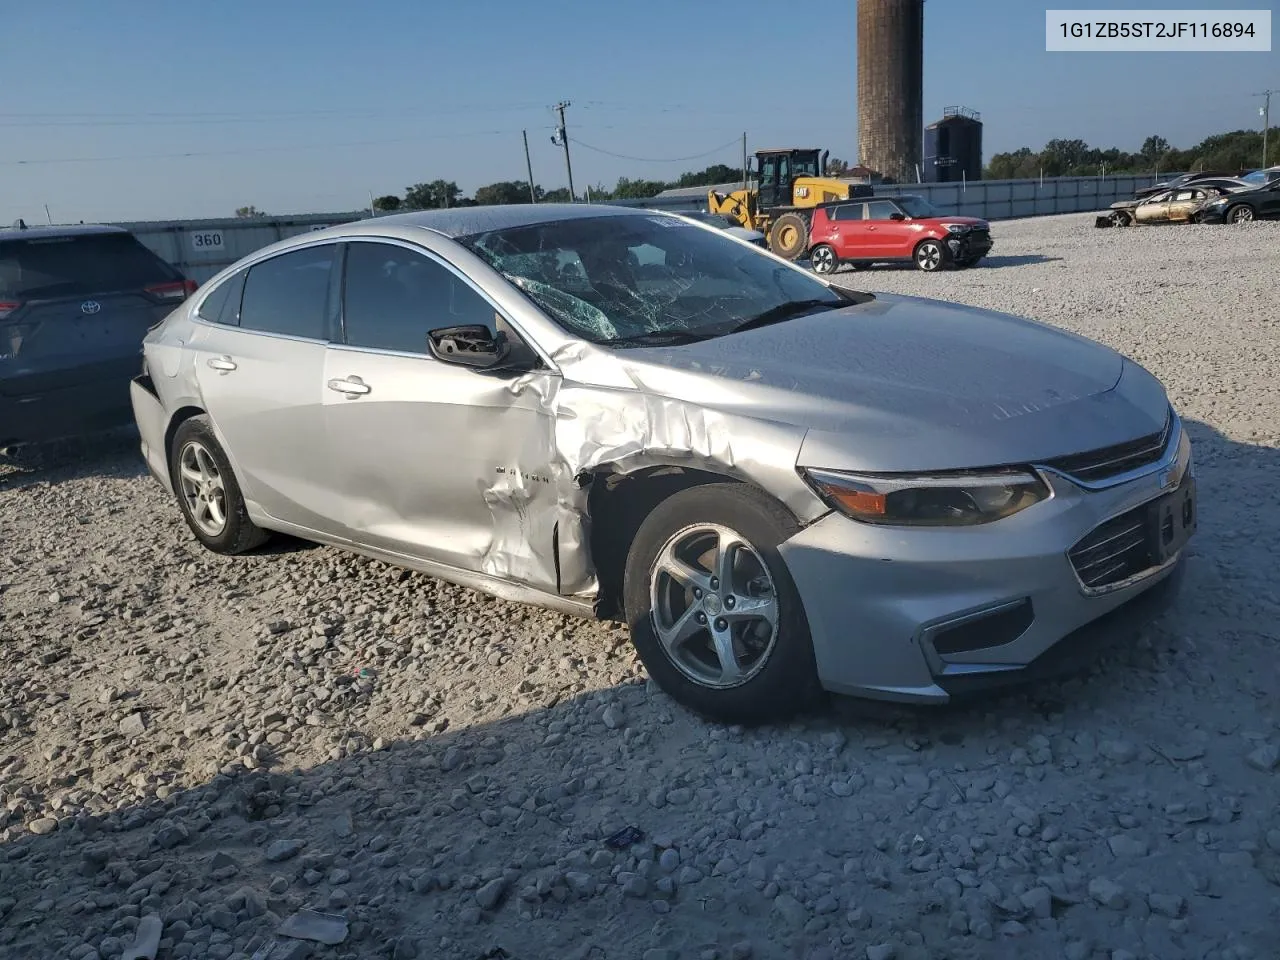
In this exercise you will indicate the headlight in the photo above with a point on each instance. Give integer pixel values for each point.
(947, 500)
(957, 227)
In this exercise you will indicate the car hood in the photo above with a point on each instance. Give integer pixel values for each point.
(902, 383)
(967, 221)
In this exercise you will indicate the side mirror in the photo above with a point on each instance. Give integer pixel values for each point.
(897, 216)
(469, 346)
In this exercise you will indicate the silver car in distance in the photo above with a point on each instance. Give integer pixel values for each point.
(782, 487)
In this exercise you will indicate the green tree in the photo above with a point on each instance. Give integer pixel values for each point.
(505, 191)
(628, 189)
(436, 193)
(837, 167)
(1153, 149)
(250, 211)
(558, 195)
(712, 175)
(387, 203)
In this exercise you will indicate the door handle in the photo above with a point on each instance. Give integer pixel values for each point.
(351, 386)
(223, 364)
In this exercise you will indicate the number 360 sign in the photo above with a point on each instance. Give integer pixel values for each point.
(207, 240)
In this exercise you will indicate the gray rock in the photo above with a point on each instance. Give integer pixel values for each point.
(1166, 904)
(491, 894)
(1108, 893)
(281, 850)
(43, 826)
(1118, 751)
(1039, 902)
(882, 951)
(613, 716)
(791, 910)
(1265, 758)
(634, 885)
(134, 725)
(661, 953)
(1124, 847)
(669, 860)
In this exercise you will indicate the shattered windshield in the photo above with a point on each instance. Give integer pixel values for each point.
(627, 279)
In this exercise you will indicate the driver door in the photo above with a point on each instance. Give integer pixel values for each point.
(888, 239)
(1184, 202)
(1153, 209)
(437, 461)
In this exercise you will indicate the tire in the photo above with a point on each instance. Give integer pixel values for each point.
(824, 259)
(776, 675)
(197, 453)
(930, 256)
(1121, 219)
(1240, 213)
(789, 236)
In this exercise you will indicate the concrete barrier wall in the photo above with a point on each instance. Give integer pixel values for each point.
(200, 248)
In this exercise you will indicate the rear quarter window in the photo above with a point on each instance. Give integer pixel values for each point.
(78, 266)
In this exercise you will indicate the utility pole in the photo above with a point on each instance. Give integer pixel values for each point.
(561, 137)
(528, 165)
(745, 183)
(1266, 119)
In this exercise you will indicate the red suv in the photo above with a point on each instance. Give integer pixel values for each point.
(883, 229)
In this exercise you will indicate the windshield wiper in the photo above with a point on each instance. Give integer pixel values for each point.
(783, 311)
(657, 338)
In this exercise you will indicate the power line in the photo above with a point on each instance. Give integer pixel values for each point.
(252, 150)
(622, 156)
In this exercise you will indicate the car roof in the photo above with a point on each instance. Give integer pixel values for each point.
(464, 221)
(66, 230)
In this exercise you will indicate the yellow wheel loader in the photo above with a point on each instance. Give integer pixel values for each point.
(789, 184)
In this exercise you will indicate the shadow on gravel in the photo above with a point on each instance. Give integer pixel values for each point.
(987, 263)
(112, 453)
(495, 835)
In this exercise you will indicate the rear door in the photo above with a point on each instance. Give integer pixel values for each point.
(74, 310)
(261, 376)
(848, 230)
(1184, 201)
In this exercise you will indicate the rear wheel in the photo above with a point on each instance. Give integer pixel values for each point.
(714, 613)
(208, 493)
(824, 259)
(789, 236)
(1240, 213)
(1121, 219)
(930, 256)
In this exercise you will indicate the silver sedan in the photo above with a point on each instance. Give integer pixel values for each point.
(782, 487)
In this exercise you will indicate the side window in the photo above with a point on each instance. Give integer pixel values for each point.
(850, 211)
(881, 209)
(223, 304)
(394, 296)
(215, 304)
(289, 294)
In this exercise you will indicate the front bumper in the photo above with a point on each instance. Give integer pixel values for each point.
(962, 246)
(926, 615)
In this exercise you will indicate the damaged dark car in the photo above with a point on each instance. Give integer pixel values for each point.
(75, 304)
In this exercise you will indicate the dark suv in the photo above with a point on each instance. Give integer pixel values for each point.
(75, 303)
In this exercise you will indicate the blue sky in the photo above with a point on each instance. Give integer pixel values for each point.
(192, 109)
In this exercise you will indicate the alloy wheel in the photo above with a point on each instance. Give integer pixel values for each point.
(929, 256)
(202, 488)
(1242, 214)
(714, 606)
(824, 260)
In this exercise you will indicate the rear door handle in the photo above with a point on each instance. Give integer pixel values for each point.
(351, 386)
(225, 364)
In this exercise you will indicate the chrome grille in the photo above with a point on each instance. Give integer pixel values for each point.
(1107, 462)
(1113, 551)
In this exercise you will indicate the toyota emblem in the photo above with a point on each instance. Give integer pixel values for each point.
(90, 306)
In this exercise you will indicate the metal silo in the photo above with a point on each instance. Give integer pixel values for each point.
(890, 86)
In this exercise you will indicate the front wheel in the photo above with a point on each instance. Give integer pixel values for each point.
(824, 259)
(789, 236)
(208, 493)
(930, 256)
(713, 611)
(1121, 219)
(1240, 213)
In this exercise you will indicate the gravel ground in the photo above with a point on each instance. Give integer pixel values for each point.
(224, 742)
